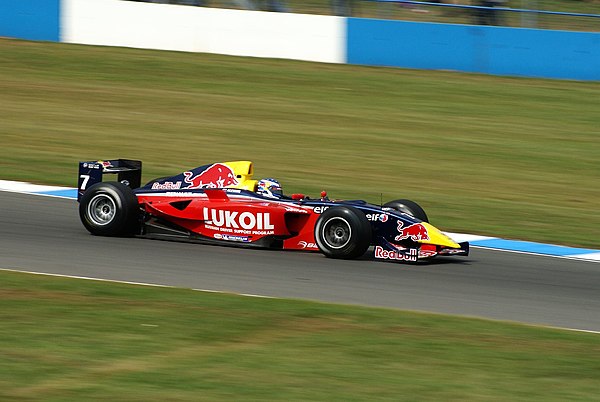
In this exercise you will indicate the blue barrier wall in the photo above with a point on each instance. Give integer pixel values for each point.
(30, 19)
(479, 49)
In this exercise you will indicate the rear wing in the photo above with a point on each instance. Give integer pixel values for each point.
(129, 172)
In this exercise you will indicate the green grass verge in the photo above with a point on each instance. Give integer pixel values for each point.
(509, 157)
(68, 339)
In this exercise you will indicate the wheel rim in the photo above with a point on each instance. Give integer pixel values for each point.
(336, 233)
(101, 209)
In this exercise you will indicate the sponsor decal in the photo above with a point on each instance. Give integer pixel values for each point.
(105, 164)
(217, 175)
(294, 209)
(414, 232)
(168, 185)
(243, 239)
(320, 210)
(427, 250)
(304, 244)
(410, 255)
(427, 253)
(184, 194)
(239, 223)
(91, 166)
(378, 217)
(450, 251)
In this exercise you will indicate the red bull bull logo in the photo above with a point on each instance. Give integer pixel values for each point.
(217, 175)
(105, 164)
(414, 232)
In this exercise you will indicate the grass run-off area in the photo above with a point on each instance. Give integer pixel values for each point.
(71, 339)
(510, 157)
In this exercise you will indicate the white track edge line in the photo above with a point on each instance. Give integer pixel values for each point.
(89, 278)
(566, 257)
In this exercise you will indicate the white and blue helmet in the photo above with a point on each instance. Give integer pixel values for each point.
(269, 188)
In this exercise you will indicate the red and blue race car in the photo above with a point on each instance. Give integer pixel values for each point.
(221, 203)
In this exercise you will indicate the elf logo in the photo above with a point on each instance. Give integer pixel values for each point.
(377, 217)
(320, 210)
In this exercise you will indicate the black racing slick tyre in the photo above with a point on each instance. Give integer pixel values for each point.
(109, 209)
(343, 232)
(408, 207)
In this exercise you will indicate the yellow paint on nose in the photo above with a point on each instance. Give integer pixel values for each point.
(437, 237)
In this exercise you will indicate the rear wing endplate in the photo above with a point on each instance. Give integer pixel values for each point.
(90, 172)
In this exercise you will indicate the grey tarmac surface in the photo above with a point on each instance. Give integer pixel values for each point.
(42, 234)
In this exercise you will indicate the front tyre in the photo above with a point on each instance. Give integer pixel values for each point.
(109, 209)
(343, 232)
(408, 207)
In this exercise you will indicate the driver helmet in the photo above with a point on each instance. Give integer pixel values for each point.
(269, 188)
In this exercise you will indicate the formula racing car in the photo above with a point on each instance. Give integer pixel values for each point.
(221, 203)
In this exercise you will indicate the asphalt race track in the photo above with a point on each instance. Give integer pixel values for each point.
(42, 234)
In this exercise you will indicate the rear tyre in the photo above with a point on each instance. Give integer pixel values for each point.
(109, 209)
(408, 207)
(343, 232)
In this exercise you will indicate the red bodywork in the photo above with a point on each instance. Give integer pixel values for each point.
(224, 215)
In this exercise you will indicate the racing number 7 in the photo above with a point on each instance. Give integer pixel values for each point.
(86, 178)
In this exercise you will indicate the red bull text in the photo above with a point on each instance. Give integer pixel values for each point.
(409, 255)
(168, 185)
